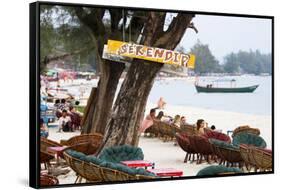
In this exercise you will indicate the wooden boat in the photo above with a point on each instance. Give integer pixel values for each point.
(210, 89)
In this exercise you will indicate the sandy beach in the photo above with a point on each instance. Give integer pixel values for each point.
(166, 154)
(223, 120)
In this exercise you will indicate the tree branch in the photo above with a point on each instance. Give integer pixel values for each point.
(48, 59)
(175, 31)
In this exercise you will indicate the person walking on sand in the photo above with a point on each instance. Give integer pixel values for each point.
(148, 121)
(161, 103)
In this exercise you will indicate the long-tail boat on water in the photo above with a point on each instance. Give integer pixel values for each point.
(212, 88)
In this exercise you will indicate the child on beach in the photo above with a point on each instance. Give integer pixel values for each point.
(65, 122)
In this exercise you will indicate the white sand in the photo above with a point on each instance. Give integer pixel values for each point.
(165, 154)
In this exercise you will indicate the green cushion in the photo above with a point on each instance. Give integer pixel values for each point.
(119, 167)
(215, 170)
(223, 144)
(93, 159)
(113, 162)
(249, 139)
(116, 154)
(75, 154)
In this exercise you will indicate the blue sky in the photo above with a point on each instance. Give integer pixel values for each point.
(225, 34)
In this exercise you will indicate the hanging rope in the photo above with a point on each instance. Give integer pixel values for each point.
(130, 39)
(123, 14)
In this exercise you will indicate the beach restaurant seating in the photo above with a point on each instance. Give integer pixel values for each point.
(168, 131)
(47, 180)
(154, 129)
(262, 158)
(184, 143)
(189, 129)
(245, 129)
(94, 138)
(45, 156)
(227, 152)
(116, 154)
(46, 143)
(95, 169)
(86, 148)
(217, 135)
(218, 170)
(248, 139)
(201, 146)
(259, 158)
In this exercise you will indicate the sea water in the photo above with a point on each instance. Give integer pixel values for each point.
(182, 92)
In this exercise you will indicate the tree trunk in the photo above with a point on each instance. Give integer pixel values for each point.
(128, 111)
(129, 107)
(102, 99)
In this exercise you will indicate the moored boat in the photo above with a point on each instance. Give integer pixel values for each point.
(210, 89)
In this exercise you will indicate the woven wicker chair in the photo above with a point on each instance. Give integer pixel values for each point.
(249, 139)
(45, 158)
(89, 171)
(229, 153)
(165, 131)
(86, 148)
(47, 180)
(94, 169)
(189, 129)
(46, 143)
(184, 143)
(153, 130)
(94, 138)
(218, 170)
(217, 135)
(261, 158)
(246, 154)
(215, 149)
(245, 129)
(116, 154)
(202, 147)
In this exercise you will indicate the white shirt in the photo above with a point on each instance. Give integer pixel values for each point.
(63, 120)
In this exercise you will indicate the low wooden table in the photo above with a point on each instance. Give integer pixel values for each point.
(166, 172)
(139, 163)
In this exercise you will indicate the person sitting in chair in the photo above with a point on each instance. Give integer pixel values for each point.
(200, 125)
(148, 121)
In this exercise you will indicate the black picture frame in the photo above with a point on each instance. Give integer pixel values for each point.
(34, 94)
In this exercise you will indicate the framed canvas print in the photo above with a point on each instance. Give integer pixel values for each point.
(126, 94)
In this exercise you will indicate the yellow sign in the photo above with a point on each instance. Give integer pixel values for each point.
(150, 53)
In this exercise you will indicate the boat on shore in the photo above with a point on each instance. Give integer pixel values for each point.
(210, 89)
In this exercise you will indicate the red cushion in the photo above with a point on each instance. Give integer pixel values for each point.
(217, 135)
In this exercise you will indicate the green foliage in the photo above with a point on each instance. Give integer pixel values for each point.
(248, 62)
(62, 33)
(205, 60)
